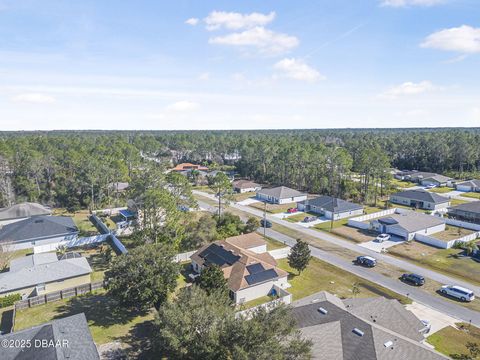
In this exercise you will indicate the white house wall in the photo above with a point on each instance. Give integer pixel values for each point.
(258, 249)
(464, 188)
(263, 289)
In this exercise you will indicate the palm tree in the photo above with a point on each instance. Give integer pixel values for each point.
(470, 247)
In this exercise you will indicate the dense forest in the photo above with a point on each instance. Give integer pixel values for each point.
(75, 168)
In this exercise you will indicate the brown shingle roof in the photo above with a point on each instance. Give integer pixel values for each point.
(246, 241)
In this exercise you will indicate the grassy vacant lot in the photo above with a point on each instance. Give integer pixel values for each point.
(244, 196)
(354, 234)
(401, 184)
(299, 217)
(328, 224)
(322, 276)
(107, 321)
(451, 341)
(441, 190)
(473, 195)
(452, 232)
(447, 261)
(274, 208)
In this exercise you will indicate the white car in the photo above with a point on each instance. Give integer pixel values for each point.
(431, 186)
(458, 292)
(383, 237)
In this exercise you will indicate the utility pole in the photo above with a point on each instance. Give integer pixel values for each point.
(333, 214)
(264, 219)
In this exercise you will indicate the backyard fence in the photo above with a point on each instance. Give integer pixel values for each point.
(463, 224)
(183, 256)
(109, 212)
(284, 298)
(281, 253)
(58, 295)
(434, 241)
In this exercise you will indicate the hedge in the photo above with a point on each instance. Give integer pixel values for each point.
(9, 300)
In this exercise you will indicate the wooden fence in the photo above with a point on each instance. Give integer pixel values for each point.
(58, 295)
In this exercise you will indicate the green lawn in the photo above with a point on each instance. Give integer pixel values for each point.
(274, 208)
(80, 218)
(273, 244)
(299, 217)
(327, 225)
(401, 184)
(106, 319)
(441, 190)
(256, 302)
(451, 341)
(455, 202)
(244, 196)
(473, 195)
(322, 276)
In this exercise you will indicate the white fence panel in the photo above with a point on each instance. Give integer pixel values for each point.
(184, 256)
(280, 253)
(434, 242)
(463, 224)
(285, 298)
(374, 215)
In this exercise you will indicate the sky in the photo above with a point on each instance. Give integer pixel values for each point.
(270, 64)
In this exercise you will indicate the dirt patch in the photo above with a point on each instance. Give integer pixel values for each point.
(452, 232)
(354, 234)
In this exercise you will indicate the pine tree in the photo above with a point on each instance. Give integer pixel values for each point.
(299, 256)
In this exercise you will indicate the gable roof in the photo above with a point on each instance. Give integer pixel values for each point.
(422, 195)
(247, 241)
(332, 204)
(73, 329)
(281, 192)
(411, 221)
(334, 337)
(472, 207)
(32, 260)
(23, 210)
(189, 166)
(439, 178)
(31, 275)
(38, 227)
(472, 183)
(242, 268)
(244, 184)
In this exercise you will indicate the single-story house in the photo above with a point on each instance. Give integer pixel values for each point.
(407, 224)
(420, 199)
(469, 212)
(253, 242)
(243, 186)
(71, 336)
(281, 195)
(330, 207)
(119, 187)
(413, 175)
(189, 166)
(38, 230)
(361, 328)
(22, 211)
(43, 273)
(249, 275)
(469, 185)
(437, 180)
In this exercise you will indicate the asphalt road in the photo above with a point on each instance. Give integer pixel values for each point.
(416, 294)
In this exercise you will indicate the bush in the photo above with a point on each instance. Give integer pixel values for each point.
(9, 300)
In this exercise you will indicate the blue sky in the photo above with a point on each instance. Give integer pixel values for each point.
(239, 65)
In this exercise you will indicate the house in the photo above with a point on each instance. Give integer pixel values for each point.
(437, 180)
(469, 212)
(37, 230)
(249, 275)
(413, 175)
(118, 187)
(469, 185)
(420, 199)
(281, 195)
(407, 224)
(43, 273)
(70, 336)
(243, 186)
(22, 211)
(330, 207)
(253, 242)
(189, 166)
(371, 328)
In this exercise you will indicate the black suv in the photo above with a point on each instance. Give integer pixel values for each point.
(367, 261)
(414, 279)
(266, 223)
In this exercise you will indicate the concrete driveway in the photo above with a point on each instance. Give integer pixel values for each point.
(436, 319)
(378, 246)
(313, 223)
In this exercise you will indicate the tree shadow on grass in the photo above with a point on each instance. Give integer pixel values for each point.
(138, 341)
(100, 310)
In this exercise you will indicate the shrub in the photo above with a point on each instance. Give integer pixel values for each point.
(9, 300)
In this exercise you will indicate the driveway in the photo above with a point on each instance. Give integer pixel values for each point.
(313, 223)
(284, 215)
(248, 201)
(437, 319)
(378, 246)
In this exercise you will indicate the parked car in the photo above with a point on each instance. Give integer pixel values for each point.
(383, 237)
(267, 223)
(292, 210)
(367, 261)
(431, 186)
(308, 219)
(414, 279)
(458, 292)
(427, 326)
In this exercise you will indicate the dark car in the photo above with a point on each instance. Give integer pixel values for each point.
(367, 261)
(308, 219)
(267, 223)
(414, 279)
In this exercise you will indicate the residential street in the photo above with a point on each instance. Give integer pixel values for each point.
(416, 294)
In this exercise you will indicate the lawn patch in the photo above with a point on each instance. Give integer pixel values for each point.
(451, 341)
(473, 195)
(441, 190)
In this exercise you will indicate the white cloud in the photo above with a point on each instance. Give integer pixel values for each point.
(409, 88)
(182, 106)
(464, 39)
(192, 21)
(36, 98)
(236, 21)
(265, 41)
(405, 3)
(204, 76)
(298, 70)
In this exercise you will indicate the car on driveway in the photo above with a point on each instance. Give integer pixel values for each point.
(383, 237)
(431, 186)
(266, 223)
(308, 219)
(367, 261)
(458, 292)
(413, 279)
(292, 210)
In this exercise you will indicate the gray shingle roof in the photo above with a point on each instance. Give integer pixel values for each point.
(281, 192)
(23, 210)
(380, 320)
(337, 205)
(32, 260)
(412, 221)
(38, 227)
(422, 195)
(439, 178)
(73, 330)
(472, 183)
(30, 276)
(472, 207)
